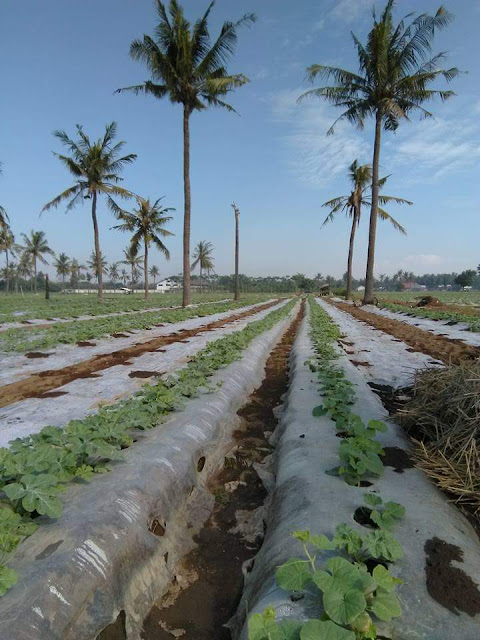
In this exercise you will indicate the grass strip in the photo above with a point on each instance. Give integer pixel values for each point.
(35, 469)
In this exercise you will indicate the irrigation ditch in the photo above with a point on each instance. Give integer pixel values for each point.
(101, 566)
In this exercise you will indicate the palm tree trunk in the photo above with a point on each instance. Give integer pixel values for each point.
(368, 296)
(237, 281)
(201, 281)
(35, 274)
(7, 274)
(187, 210)
(145, 267)
(98, 253)
(348, 295)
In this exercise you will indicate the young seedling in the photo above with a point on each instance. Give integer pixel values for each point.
(384, 515)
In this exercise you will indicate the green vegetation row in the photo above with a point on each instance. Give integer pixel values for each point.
(434, 314)
(71, 305)
(76, 331)
(356, 587)
(36, 469)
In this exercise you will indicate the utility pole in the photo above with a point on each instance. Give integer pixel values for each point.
(237, 283)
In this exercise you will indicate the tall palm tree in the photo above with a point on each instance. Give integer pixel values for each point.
(395, 73)
(4, 219)
(62, 265)
(147, 224)
(134, 261)
(154, 272)
(185, 66)
(75, 270)
(202, 257)
(113, 273)
(351, 205)
(96, 166)
(24, 269)
(36, 246)
(9, 248)
(124, 276)
(93, 265)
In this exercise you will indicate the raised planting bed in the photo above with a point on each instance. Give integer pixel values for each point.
(112, 552)
(321, 482)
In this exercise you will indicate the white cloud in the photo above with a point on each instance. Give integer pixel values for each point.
(423, 260)
(437, 146)
(312, 156)
(350, 10)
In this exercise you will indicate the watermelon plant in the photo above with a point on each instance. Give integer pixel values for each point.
(35, 470)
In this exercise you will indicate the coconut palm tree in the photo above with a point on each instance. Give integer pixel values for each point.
(24, 268)
(62, 265)
(9, 248)
(147, 224)
(202, 257)
(124, 276)
(185, 66)
(36, 246)
(134, 261)
(395, 73)
(96, 166)
(154, 272)
(75, 270)
(351, 205)
(113, 273)
(4, 219)
(93, 265)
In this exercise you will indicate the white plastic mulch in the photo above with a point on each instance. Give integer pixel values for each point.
(84, 396)
(16, 366)
(39, 321)
(389, 361)
(457, 331)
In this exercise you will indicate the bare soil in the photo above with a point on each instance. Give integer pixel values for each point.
(450, 586)
(442, 306)
(438, 347)
(39, 383)
(200, 611)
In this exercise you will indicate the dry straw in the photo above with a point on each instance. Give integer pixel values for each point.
(443, 418)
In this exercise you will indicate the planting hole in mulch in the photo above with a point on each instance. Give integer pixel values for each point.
(371, 563)
(48, 550)
(86, 343)
(48, 380)
(52, 394)
(143, 374)
(119, 335)
(362, 516)
(397, 458)
(234, 531)
(157, 528)
(358, 363)
(450, 586)
(37, 354)
(201, 464)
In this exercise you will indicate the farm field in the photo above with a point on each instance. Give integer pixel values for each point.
(230, 408)
(18, 308)
(203, 418)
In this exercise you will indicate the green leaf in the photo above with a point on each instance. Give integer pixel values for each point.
(340, 576)
(319, 411)
(287, 630)
(381, 544)
(324, 630)
(343, 607)
(38, 493)
(303, 536)
(321, 542)
(257, 629)
(294, 575)
(385, 605)
(377, 425)
(8, 577)
(384, 578)
(347, 538)
(372, 500)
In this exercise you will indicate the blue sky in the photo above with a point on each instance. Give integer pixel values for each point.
(62, 61)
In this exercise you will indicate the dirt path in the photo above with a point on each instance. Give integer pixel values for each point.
(439, 347)
(38, 384)
(200, 611)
